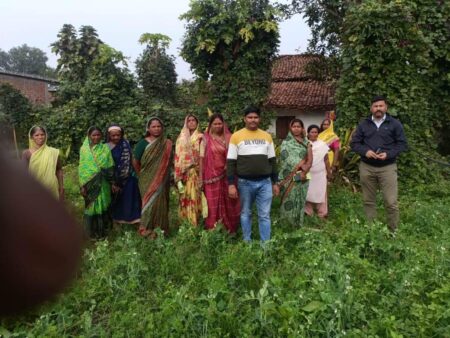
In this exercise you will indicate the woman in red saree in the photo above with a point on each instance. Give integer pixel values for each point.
(152, 162)
(213, 167)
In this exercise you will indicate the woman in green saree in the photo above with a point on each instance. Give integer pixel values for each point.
(96, 172)
(152, 162)
(296, 159)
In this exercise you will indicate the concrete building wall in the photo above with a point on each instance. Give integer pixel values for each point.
(308, 118)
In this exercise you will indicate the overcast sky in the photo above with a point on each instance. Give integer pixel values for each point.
(119, 23)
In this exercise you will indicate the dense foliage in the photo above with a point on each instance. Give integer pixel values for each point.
(325, 18)
(232, 43)
(76, 52)
(402, 52)
(15, 112)
(341, 278)
(396, 48)
(26, 59)
(96, 88)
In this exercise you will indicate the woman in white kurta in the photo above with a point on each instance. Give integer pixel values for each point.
(320, 171)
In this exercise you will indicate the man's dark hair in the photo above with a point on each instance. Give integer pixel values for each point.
(252, 109)
(379, 98)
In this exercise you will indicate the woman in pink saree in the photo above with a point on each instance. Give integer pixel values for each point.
(213, 167)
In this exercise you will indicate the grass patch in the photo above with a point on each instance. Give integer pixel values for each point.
(334, 278)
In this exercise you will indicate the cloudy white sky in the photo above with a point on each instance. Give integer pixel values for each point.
(119, 23)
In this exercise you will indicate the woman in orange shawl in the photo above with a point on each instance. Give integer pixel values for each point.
(187, 167)
(213, 168)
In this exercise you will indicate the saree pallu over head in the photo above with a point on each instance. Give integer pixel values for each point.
(220, 207)
(293, 193)
(215, 160)
(43, 162)
(329, 137)
(187, 151)
(96, 163)
(292, 153)
(154, 179)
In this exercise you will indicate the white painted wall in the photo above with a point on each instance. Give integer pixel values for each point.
(307, 118)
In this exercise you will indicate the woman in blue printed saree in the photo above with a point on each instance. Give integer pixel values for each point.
(96, 172)
(152, 162)
(296, 160)
(126, 205)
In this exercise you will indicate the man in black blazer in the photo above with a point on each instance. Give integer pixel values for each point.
(379, 139)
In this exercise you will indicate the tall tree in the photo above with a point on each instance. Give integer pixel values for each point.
(156, 69)
(25, 59)
(88, 45)
(66, 47)
(96, 87)
(232, 44)
(76, 54)
(4, 60)
(325, 19)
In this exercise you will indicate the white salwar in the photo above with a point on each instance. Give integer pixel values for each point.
(317, 190)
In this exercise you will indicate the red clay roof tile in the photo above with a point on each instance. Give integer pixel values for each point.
(293, 88)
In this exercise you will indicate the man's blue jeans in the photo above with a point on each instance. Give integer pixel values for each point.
(261, 192)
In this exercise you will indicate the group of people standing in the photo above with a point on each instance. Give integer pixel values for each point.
(218, 172)
(301, 182)
(310, 159)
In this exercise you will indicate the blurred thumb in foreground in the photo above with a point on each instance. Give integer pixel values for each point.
(40, 243)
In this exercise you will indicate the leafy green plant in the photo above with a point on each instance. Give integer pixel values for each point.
(96, 88)
(231, 45)
(347, 170)
(397, 54)
(15, 111)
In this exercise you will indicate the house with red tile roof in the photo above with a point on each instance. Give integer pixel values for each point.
(294, 92)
